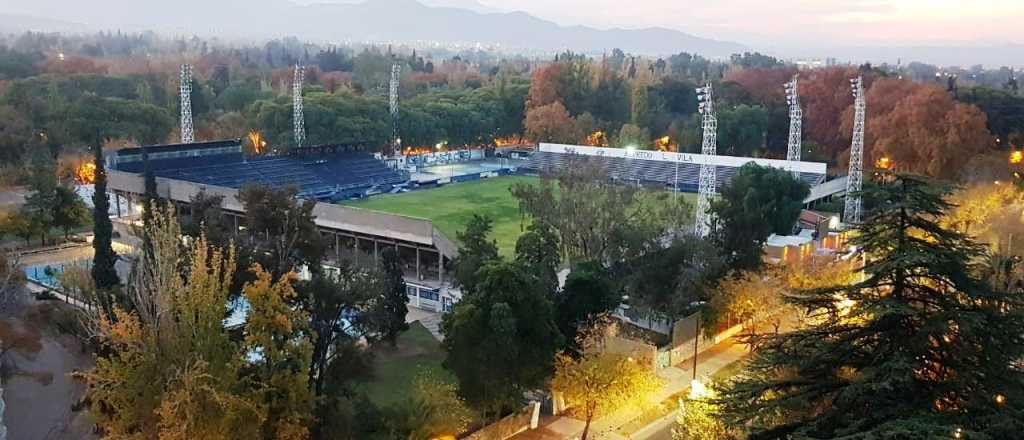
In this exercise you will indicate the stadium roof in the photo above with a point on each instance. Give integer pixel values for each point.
(167, 148)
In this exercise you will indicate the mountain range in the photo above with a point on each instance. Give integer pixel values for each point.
(368, 21)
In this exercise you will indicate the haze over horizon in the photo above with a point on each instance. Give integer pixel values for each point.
(853, 30)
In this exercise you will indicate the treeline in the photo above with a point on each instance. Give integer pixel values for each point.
(64, 93)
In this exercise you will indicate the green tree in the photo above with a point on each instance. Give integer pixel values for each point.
(104, 258)
(742, 129)
(19, 225)
(920, 348)
(70, 211)
(666, 282)
(434, 409)
(501, 340)
(537, 250)
(475, 251)
(588, 295)
(393, 299)
(41, 203)
(757, 202)
(633, 136)
(281, 229)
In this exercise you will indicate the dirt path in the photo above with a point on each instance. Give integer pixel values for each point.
(38, 390)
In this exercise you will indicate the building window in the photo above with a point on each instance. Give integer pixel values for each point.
(411, 290)
(429, 294)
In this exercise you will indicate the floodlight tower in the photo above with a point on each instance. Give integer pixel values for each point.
(796, 116)
(298, 120)
(852, 211)
(709, 147)
(396, 72)
(187, 135)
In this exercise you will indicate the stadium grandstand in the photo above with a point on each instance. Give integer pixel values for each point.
(323, 172)
(671, 170)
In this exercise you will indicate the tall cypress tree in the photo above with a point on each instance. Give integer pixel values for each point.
(394, 299)
(104, 258)
(921, 348)
(150, 197)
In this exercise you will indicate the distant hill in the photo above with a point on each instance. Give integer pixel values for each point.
(370, 21)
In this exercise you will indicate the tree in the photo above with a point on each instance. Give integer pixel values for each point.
(20, 225)
(434, 409)
(932, 142)
(475, 251)
(282, 229)
(596, 219)
(41, 203)
(70, 211)
(750, 298)
(667, 282)
(172, 357)
(393, 299)
(742, 129)
(550, 123)
(757, 202)
(501, 340)
(633, 136)
(919, 348)
(275, 335)
(598, 382)
(104, 258)
(537, 250)
(700, 418)
(588, 295)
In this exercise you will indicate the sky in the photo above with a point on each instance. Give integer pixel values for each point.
(785, 23)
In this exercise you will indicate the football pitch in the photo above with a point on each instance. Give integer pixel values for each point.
(450, 207)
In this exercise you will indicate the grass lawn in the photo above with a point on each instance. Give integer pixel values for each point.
(395, 368)
(451, 206)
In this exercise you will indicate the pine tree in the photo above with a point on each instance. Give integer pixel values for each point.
(921, 348)
(393, 299)
(104, 258)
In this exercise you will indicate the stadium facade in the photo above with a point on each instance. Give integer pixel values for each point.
(678, 170)
(329, 173)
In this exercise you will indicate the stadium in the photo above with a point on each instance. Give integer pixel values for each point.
(417, 204)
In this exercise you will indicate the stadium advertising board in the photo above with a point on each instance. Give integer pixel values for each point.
(700, 159)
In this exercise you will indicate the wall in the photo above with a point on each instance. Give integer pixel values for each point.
(509, 426)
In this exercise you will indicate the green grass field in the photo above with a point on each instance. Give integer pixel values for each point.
(395, 368)
(451, 206)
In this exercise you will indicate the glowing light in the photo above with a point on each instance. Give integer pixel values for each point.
(1016, 156)
(698, 390)
(60, 56)
(664, 143)
(833, 222)
(86, 173)
(631, 149)
(1000, 399)
(884, 163)
(597, 139)
(259, 145)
